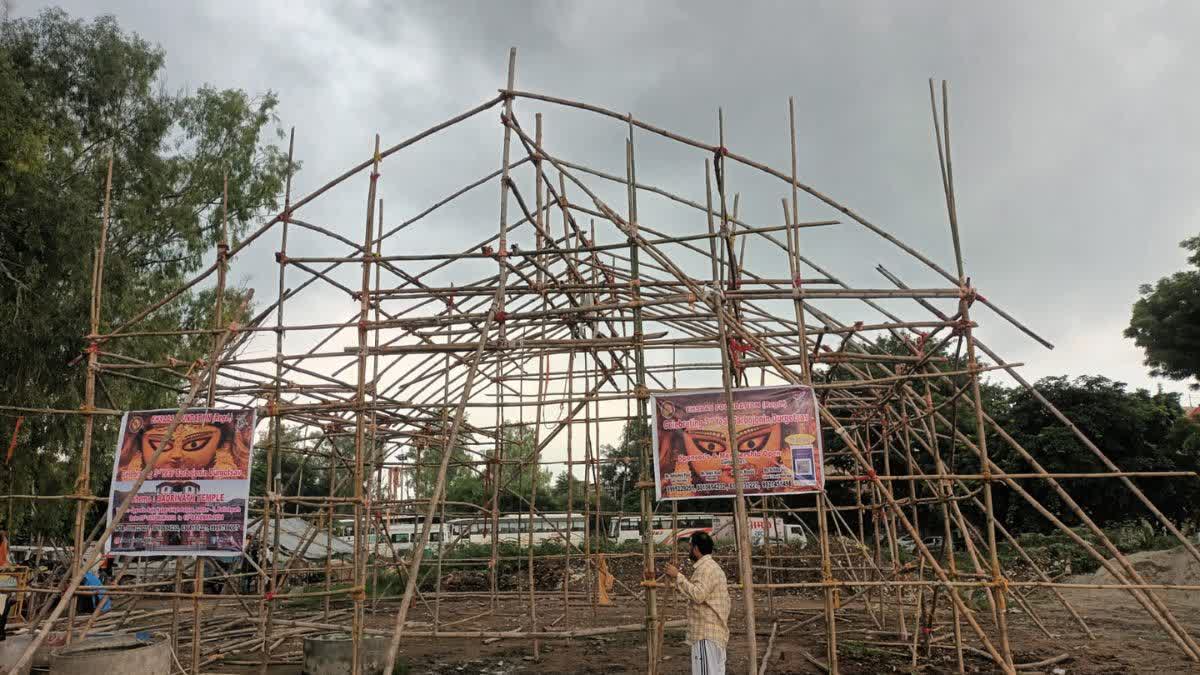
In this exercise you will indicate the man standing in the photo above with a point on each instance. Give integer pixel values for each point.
(708, 607)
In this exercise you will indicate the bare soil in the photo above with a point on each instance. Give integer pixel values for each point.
(870, 640)
(1127, 639)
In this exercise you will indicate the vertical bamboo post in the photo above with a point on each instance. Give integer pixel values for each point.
(329, 526)
(910, 464)
(792, 220)
(946, 490)
(876, 539)
(977, 400)
(361, 420)
(893, 545)
(495, 474)
(218, 320)
(743, 525)
(541, 395)
(376, 448)
(268, 581)
(465, 395)
(646, 483)
(443, 527)
(768, 530)
(83, 484)
(496, 468)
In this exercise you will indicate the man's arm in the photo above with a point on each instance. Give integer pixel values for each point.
(700, 589)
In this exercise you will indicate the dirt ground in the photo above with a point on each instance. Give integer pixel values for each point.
(1127, 639)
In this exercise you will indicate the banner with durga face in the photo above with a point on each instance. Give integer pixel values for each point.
(778, 437)
(193, 502)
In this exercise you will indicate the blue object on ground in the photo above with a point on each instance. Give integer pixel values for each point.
(92, 579)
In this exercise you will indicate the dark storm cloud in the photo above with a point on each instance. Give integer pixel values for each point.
(1074, 125)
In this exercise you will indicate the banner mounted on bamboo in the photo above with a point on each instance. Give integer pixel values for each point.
(778, 436)
(193, 503)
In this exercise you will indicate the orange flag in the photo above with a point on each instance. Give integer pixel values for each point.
(12, 445)
(605, 582)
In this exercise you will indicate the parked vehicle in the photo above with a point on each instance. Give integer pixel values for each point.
(933, 543)
(680, 527)
(520, 529)
(402, 531)
(665, 529)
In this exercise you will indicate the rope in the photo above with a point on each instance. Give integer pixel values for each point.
(870, 475)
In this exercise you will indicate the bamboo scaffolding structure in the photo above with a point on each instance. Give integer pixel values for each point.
(405, 345)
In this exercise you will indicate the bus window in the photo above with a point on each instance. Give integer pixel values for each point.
(400, 538)
(435, 537)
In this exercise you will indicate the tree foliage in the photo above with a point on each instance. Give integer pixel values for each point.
(301, 464)
(469, 481)
(621, 473)
(1137, 430)
(73, 94)
(1166, 321)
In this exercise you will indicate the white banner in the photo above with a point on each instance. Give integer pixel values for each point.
(194, 502)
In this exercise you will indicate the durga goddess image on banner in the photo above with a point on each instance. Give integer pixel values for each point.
(206, 445)
(777, 436)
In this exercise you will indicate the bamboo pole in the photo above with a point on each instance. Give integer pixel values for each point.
(793, 254)
(1157, 610)
(361, 514)
(646, 481)
(742, 531)
(77, 576)
(83, 487)
(586, 293)
(218, 319)
(778, 174)
(267, 582)
(497, 302)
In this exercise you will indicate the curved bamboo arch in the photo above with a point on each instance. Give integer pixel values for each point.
(566, 331)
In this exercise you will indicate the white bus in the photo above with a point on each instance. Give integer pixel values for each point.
(721, 528)
(402, 532)
(629, 528)
(515, 528)
(405, 534)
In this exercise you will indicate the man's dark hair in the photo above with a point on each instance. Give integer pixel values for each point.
(702, 541)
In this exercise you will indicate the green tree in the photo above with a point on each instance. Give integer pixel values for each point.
(301, 466)
(1138, 430)
(72, 94)
(467, 478)
(619, 476)
(578, 498)
(1166, 321)
(463, 482)
(517, 481)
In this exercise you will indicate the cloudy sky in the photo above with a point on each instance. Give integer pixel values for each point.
(1075, 126)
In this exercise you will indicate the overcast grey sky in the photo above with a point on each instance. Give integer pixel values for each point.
(1075, 124)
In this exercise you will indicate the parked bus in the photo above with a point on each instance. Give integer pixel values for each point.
(629, 528)
(402, 531)
(515, 528)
